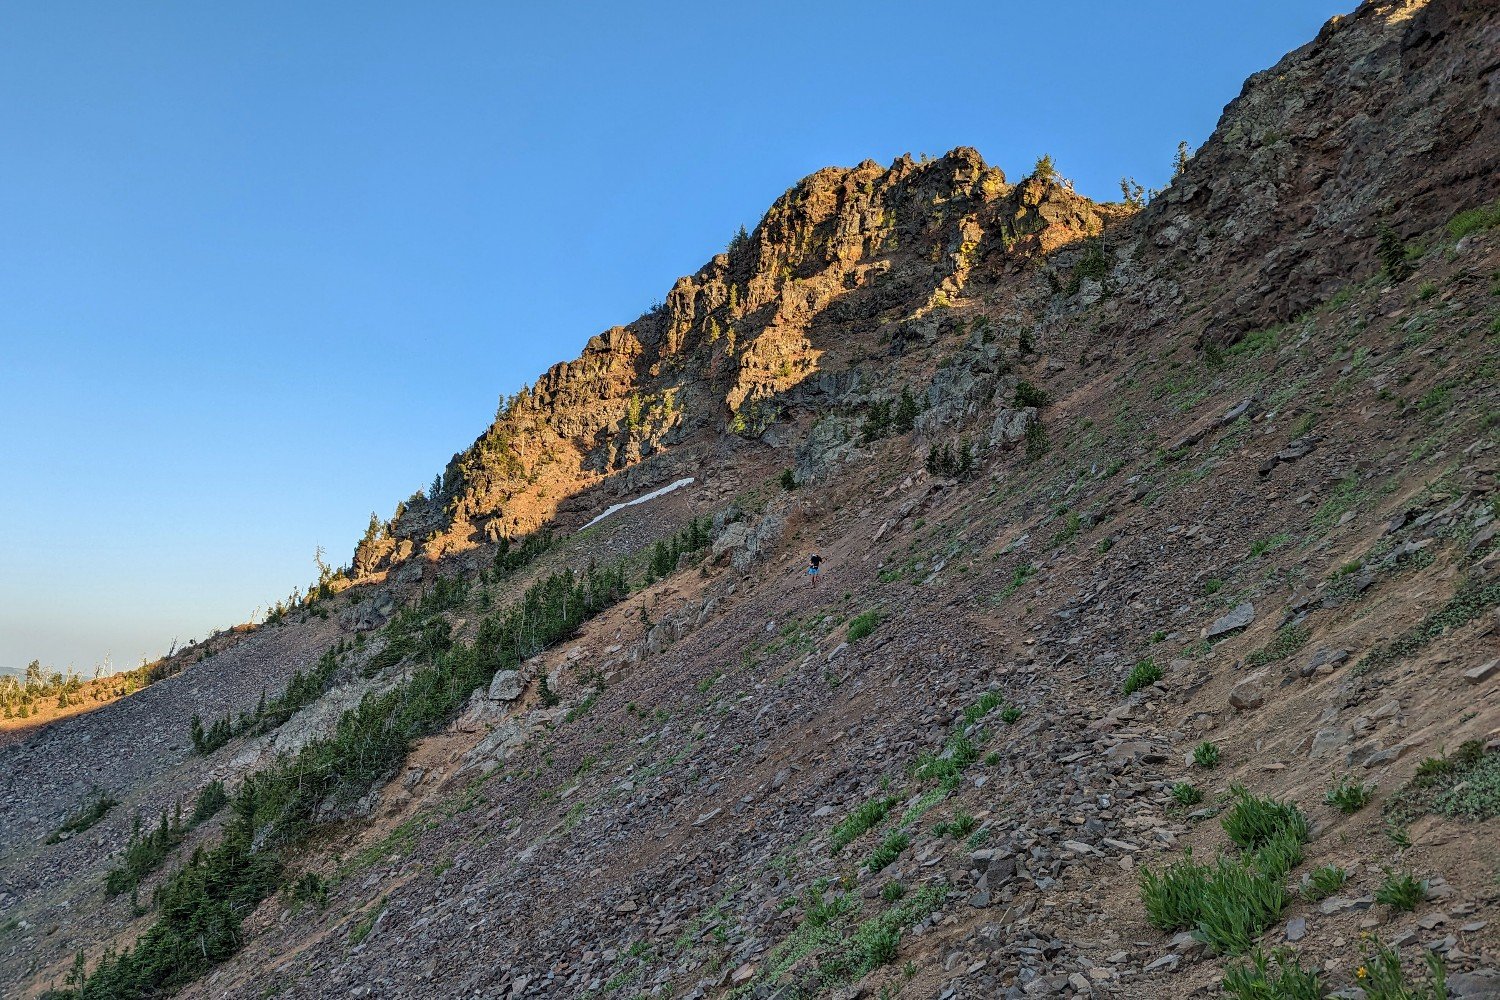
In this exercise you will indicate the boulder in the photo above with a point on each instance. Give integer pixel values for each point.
(1250, 693)
(1235, 620)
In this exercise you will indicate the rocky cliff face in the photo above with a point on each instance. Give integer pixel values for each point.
(1144, 524)
(848, 264)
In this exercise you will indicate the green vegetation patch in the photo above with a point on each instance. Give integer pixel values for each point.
(1473, 598)
(1474, 220)
(1324, 882)
(200, 906)
(1143, 674)
(1288, 639)
(1232, 901)
(1206, 755)
(865, 817)
(91, 812)
(863, 624)
(1258, 980)
(1463, 785)
(1349, 796)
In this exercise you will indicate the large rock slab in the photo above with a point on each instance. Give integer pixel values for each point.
(1235, 620)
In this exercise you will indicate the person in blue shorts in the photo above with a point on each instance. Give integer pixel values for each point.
(813, 564)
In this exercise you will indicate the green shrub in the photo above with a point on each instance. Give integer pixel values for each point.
(1011, 714)
(1072, 523)
(1463, 780)
(857, 822)
(1277, 856)
(211, 798)
(1324, 882)
(959, 752)
(1018, 578)
(1029, 395)
(961, 825)
(1142, 674)
(890, 848)
(1477, 794)
(1472, 599)
(879, 946)
(1262, 546)
(1256, 980)
(1401, 891)
(862, 625)
(1173, 898)
(1288, 639)
(1037, 442)
(949, 462)
(1474, 220)
(1206, 754)
(1228, 904)
(310, 888)
(1255, 822)
(1184, 793)
(892, 892)
(1349, 796)
(982, 706)
(907, 409)
(1390, 249)
(787, 479)
(91, 812)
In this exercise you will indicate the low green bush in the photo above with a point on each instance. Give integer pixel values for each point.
(1401, 891)
(890, 848)
(1142, 674)
(1185, 793)
(862, 625)
(1228, 904)
(1254, 822)
(1324, 882)
(1206, 755)
(1381, 977)
(982, 706)
(1256, 980)
(847, 830)
(1349, 796)
(1474, 220)
(961, 825)
(91, 812)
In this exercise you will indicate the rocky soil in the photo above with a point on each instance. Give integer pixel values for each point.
(1222, 434)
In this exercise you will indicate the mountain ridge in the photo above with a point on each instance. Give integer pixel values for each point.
(1135, 526)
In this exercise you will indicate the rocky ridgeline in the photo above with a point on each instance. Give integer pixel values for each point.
(846, 260)
(1119, 510)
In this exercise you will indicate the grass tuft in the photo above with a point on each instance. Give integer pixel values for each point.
(1206, 755)
(862, 625)
(1324, 882)
(1257, 981)
(1142, 674)
(1256, 822)
(1185, 793)
(866, 816)
(1401, 891)
(1349, 796)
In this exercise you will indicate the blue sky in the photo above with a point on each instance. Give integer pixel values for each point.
(265, 267)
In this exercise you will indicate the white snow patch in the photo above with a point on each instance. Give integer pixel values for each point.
(613, 508)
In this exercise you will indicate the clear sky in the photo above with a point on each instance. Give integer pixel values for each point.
(264, 267)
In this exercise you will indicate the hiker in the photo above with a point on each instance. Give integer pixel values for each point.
(812, 567)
